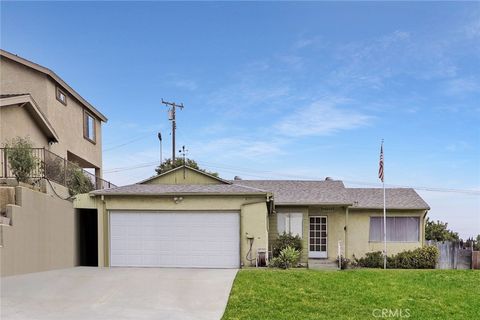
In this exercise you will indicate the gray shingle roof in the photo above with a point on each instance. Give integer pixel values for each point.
(288, 192)
(301, 191)
(396, 198)
(171, 189)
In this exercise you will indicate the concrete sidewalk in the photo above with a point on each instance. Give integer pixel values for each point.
(117, 293)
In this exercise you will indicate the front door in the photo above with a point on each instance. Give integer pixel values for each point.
(317, 237)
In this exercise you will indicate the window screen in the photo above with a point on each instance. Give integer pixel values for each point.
(290, 223)
(399, 229)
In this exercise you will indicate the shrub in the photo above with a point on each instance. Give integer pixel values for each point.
(371, 260)
(286, 240)
(287, 258)
(420, 258)
(344, 262)
(77, 181)
(54, 169)
(21, 159)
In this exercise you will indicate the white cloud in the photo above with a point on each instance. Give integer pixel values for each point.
(461, 211)
(236, 147)
(458, 146)
(322, 117)
(463, 85)
(185, 84)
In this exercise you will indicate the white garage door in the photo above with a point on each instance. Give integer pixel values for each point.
(175, 239)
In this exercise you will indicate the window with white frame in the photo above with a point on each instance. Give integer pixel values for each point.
(291, 222)
(399, 229)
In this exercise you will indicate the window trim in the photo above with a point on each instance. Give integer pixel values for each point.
(57, 95)
(289, 219)
(395, 241)
(318, 254)
(87, 114)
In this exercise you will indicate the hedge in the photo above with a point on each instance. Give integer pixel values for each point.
(420, 258)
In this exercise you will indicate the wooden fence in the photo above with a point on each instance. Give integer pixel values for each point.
(452, 255)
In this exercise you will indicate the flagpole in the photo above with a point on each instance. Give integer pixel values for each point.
(384, 216)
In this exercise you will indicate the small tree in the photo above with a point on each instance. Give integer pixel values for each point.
(439, 231)
(286, 240)
(473, 243)
(168, 165)
(20, 157)
(287, 258)
(77, 181)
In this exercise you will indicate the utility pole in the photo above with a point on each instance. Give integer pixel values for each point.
(172, 106)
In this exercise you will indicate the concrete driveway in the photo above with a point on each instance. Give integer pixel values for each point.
(117, 293)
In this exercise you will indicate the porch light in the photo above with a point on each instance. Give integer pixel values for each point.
(177, 199)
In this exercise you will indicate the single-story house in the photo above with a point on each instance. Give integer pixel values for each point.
(189, 218)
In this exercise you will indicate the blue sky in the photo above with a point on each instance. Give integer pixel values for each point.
(277, 90)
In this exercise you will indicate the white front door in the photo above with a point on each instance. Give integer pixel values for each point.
(317, 237)
(175, 239)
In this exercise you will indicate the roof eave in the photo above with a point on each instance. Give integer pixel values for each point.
(180, 167)
(391, 208)
(56, 78)
(312, 204)
(95, 193)
(36, 113)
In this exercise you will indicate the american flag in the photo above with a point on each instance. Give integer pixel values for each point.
(380, 168)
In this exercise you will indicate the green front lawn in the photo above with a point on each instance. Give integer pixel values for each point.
(355, 294)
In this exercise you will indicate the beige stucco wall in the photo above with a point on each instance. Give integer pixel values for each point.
(358, 230)
(11, 117)
(253, 223)
(253, 214)
(335, 223)
(183, 176)
(16, 78)
(42, 235)
(66, 120)
(273, 227)
(335, 227)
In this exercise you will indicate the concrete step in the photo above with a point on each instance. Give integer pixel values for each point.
(322, 264)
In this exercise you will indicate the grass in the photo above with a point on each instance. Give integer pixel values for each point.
(354, 294)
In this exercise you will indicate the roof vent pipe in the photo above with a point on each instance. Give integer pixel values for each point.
(328, 179)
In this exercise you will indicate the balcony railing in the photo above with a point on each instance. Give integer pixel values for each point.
(51, 166)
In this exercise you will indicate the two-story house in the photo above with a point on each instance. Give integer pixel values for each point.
(37, 103)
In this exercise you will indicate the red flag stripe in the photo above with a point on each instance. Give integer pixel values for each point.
(380, 169)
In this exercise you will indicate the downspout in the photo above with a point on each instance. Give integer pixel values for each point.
(105, 236)
(423, 229)
(346, 232)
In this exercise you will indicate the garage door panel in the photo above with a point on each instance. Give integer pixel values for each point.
(174, 239)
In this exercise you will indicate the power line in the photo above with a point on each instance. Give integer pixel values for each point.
(138, 166)
(434, 189)
(127, 142)
(267, 174)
